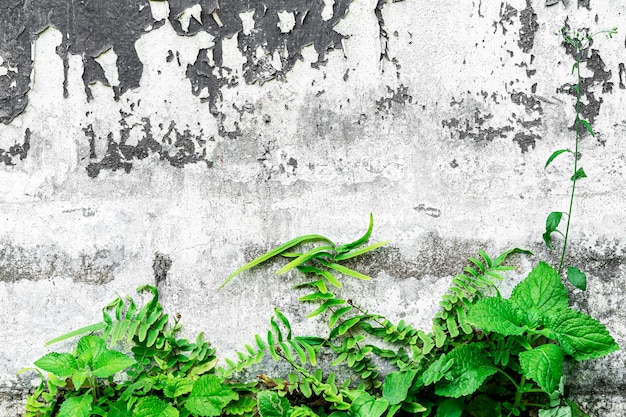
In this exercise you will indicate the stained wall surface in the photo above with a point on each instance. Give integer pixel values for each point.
(168, 142)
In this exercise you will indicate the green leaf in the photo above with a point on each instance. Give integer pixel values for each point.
(362, 240)
(338, 313)
(554, 155)
(87, 329)
(496, 315)
(153, 406)
(366, 405)
(319, 284)
(76, 406)
(484, 406)
(358, 252)
(316, 296)
(270, 404)
(544, 365)
(587, 126)
(347, 325)
(177, 386)
(303, 258)
(119, 409)
(452, 407)
(576, 65)
(396, 386)
(470, 369)
(556, 412)
(79, 377)
(209, 396)
(553, 220)
(110, 362)
(577, 278)
(61, 364)
(285, 322)
(542, 291)
(579, 174)
(347, 271)
(89, 347)
(579, 335)
(276, 251)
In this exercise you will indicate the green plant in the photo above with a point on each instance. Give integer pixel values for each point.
(580, 43)
(485, 355)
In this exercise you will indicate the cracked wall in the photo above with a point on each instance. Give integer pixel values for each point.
(167, 142)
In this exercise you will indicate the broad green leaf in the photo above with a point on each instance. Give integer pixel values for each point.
(270, 404)
(89, 347)
(497, 315)
(553, 220)
(556, 412)
(79, 377)
(470, 369)
(452, 407)
(587, 126)
(276, 251)
(347, 271)
(119, 409)
(60, 364)
(542, 291)
(498, 261)
(579, 174)
(544, 365)
(577, 278)
(397, 386)
(110, 362)
(76, 406)
(153, 406)
(303, 258)
(366, 405)
(209, 396)
(581, 336)
(554, 155)
(358, 252)
(360, 241)
(177, 386)
(411, 407)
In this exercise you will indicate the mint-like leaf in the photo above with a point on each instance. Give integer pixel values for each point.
(366, 405)
(110, 362)
(542, 291)
(270, 404)
(76, 407)
(579, 335)
(544, 365)
(60, 364)
(496, 315)
(153, 406)
(397, 386)
(470, 369)
(209, 396)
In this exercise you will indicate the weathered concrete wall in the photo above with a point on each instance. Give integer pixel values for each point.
(190, 137)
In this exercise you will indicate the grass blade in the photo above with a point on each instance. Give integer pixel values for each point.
(361, 251)
(347, 271)
(363, 239)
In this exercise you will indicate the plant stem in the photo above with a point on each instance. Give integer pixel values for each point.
(579, 50)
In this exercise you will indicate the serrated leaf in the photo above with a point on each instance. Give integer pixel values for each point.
(554, 155)
(470, 369)
(89, 347)
(209, 396)
(497, 315)
(177, 386)
(396, 386)
(544, 365)
(579, 335)
(76, 406)
(119, 409)
(580, 173)
(153, 406)
(577, 278)
(110, 362)
(60, 364)
(542, 291)
(270, 404)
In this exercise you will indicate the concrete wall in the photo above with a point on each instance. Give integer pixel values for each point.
(146, 141)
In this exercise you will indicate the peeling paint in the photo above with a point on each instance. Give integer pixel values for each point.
(528, 19)
(18, 150)
(399, 96)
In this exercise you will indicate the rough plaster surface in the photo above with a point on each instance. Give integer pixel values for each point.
(169, 142)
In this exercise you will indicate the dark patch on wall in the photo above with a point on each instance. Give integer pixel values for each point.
(42, 263)
(18, 150)
(585, 3)
(622, 71)
(590, 104)
(530, 103)
(475, 128)
(526, 140)
(88, 28)
(178, 148)
(161, 266)
(528, 19)
(399, 96)
(382, 33)
(429, 211)
(507, 12)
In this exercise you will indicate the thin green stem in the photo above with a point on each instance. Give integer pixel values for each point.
(576, 129)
